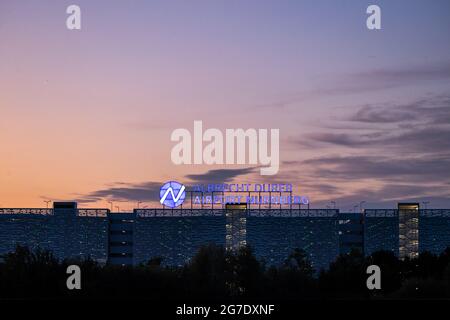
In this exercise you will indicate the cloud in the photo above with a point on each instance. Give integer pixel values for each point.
(401, 150)
(422, 126)
(388, 196)
(325, 188)
(420, 169)
(413, 141)
(388, 78)
(219, 175)
(147, 191)
(406, 74)
(368, 81)
(342, 139)
(434, 110)
(374, 114)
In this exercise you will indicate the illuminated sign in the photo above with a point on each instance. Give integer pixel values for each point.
(172, 194)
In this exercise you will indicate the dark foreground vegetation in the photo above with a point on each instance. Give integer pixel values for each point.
(215, 273)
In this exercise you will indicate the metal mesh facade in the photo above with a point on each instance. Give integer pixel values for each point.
(67, 233)
(274, 238)
(434, 230)
(380, 231)
(175, 235)
(175, 238)
(351, 232)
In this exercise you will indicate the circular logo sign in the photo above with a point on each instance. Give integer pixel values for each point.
(172, 194)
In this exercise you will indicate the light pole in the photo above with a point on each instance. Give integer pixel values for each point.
(47, 202)
(360, 206)
(139, 202)
(425, 204)
(334, 204)
(354, 207)
(111, 203)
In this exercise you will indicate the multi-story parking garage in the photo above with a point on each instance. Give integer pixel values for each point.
(176, 234)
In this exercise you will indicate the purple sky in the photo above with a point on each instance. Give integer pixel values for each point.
(87, 115)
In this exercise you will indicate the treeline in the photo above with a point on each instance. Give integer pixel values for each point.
(215, 273)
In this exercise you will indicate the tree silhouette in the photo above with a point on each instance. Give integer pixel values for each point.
(216, 273)
(346, 277)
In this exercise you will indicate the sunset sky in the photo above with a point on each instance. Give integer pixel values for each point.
(87, 115)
